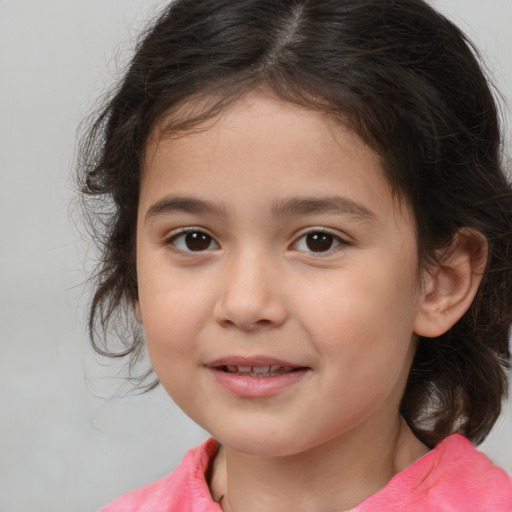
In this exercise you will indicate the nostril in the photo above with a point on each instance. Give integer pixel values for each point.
(258, 324)
(263, 322)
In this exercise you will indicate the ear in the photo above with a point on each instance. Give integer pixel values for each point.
(450, 287)
(137, 311)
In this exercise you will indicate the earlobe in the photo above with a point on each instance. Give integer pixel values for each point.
(137, 311)
(452, 285)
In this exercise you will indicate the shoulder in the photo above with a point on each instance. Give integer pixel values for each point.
(463, 475)
(183, 490)
(457, 477)
(453, 477)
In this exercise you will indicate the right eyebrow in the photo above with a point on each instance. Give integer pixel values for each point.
(183, 204)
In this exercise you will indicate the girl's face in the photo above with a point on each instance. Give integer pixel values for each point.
(278, 279)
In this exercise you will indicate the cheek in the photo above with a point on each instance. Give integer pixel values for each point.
(173, 313)
(365, 320)
(169, 331)
(366, 301)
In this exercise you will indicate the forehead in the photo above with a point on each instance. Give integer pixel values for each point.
(262, 108)
(276, 147)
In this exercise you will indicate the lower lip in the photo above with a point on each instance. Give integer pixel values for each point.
(256, 387)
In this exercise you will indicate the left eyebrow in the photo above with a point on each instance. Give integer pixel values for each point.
(331, 204)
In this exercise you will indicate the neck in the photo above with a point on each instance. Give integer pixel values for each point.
(334, 476)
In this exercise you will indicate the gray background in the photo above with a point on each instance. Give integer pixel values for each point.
(70, 439)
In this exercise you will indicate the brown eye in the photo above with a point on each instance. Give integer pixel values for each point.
(193, 241)
(197, 241)
(319, 242)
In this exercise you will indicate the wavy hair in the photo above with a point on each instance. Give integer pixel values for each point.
(405, 79)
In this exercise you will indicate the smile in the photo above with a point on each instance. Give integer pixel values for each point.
(258, 371)
(259, 377)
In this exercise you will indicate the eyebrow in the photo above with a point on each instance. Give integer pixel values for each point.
(183, 204)
(331, 204)
(288, 207)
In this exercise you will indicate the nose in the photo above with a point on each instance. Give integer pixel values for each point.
(251, 297)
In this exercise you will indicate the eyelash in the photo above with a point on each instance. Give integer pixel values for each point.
(207, 238)
(171, 240)
(335, 239)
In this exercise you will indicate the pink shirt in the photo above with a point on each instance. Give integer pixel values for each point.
(453, 477)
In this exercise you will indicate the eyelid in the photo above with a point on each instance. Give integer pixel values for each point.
(170, 237)
(337, 235)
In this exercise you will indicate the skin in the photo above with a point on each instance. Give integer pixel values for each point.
(349, 314)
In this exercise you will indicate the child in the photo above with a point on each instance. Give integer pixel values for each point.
(304, 209)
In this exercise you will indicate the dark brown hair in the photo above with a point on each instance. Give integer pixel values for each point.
(397, 72)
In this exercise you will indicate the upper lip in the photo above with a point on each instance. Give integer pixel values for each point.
(256, 361)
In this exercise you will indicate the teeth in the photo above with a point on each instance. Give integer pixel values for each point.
(259, 370)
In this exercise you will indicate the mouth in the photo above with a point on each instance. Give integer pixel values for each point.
(257, 371)
(256, 377)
